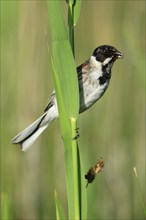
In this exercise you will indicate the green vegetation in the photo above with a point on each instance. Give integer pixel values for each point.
(66, 86)
(113, 129)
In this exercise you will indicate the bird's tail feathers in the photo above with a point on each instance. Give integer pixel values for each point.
(26, 137)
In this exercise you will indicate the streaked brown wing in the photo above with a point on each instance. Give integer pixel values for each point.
(82, 69)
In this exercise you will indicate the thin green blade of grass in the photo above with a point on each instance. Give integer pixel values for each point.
(59, 210)
(80, 199)
(79, 185)
(64, 122)
(77, 9)
(71, 26)
(66, 86)
(63, 58)
(56, 21)
(65, 64)
(76, 172)
(65, 74)
(65, 129)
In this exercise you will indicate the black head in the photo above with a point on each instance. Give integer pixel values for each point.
(103, 52)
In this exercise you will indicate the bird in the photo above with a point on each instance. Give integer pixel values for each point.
(93, 79)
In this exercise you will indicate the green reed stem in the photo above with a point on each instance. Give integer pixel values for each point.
(71, 26)
(77, 196)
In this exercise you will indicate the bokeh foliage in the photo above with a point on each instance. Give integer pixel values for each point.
(114, 128)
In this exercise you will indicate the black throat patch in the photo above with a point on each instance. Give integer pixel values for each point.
(106, 75)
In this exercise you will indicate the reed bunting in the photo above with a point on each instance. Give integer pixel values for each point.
(93, 78)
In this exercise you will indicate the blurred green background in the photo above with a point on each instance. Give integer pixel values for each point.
(114, 128)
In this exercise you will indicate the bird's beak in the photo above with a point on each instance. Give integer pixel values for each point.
(119, 55)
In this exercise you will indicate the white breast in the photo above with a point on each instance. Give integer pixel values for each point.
(94, 92)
